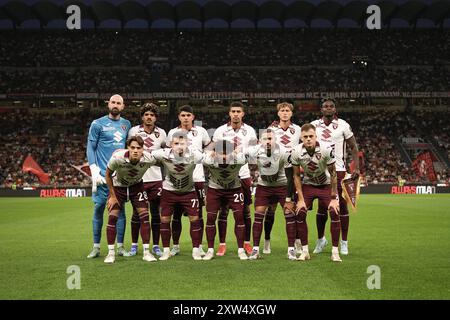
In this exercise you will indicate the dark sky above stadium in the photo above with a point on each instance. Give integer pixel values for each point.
(195, 24)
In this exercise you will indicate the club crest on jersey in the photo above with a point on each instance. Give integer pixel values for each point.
(266, 164)
(142, 165)
(335, 125)
(318, 156)
(244, 132)
(124, 127)
(194, 133)
(156, 135)
(292, 130)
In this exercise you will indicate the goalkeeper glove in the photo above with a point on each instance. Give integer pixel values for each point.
(97, 178)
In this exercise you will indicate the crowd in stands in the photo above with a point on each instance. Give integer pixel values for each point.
(247, 80)
(57, 141)
(252, 61)
(437, 128)
(223, 48)
(124, 61)
(25, 133)
(307, 80)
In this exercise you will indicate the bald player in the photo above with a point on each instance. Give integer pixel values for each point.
(106, 135)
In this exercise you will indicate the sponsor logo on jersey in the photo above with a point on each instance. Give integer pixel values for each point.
(148, 142)
(133, 173)
(326, 134)
(179, 167)
(224, 174)
(118, 136)
(229, 133)
(285, 139)
(312, 166)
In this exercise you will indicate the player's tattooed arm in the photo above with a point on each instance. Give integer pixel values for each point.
(290, 182)
(298, 186)
(351, 142)
(334, 203)
(112, 200)
(289, 205)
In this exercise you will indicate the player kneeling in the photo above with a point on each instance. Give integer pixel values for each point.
(319, 181)
(129, 165)
(224, 190)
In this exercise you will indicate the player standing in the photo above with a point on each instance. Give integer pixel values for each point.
(106, 134)
(178, 190)
(224, 189)
(287, 136)
(129, 166)
(154, 139)
(333, 130)
(272, 189)
(197, 138)
(242, 136)
(319, 181)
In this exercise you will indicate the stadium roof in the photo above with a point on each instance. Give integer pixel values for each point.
(253, 13)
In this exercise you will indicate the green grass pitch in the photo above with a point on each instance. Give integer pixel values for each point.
(407, 236)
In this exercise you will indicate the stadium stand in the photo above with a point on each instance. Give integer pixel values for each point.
(297, 57)
(58, 146)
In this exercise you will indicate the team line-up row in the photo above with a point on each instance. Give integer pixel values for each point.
(296, 165)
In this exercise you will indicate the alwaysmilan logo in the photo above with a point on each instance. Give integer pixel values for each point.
(413, 190)
(62, 193)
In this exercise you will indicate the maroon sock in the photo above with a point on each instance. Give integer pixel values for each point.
(222, 223)
(176, 230)
(239, 228)
(247, 223)
(344, 217)
(268, 223)
(321, 221)
(145, 227)
(135, 226)
(165, 234)
(291, 228)
(202, 224)
(111, 229)
(257, 228)
(335, 227)
(302, 227)
(156, 222)
(195, 229)
(211, 229)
